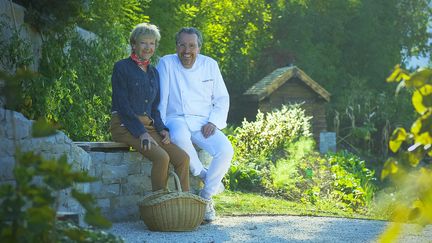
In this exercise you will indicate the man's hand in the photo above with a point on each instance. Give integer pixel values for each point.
(146, 141)
(208, 129)
(166, 139)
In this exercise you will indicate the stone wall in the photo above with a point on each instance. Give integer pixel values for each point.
(124, 179)
(123, 176)
(15, 132)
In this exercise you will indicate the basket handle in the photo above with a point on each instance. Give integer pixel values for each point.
(177, 181)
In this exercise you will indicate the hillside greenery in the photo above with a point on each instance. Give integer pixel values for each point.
(346, 46)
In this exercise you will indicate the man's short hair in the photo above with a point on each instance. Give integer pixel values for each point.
(189, 30)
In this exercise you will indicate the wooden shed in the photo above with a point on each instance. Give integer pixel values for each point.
(289, 85)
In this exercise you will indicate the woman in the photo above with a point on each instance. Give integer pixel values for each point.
(136, 119)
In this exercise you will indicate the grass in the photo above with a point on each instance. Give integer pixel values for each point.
(232, 203)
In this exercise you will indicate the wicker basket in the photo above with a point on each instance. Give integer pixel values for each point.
(172, 211)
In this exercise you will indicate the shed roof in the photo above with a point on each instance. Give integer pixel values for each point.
(278, 77)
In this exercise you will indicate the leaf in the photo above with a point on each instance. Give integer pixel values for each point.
(414, 158)
(398, 75)
(399, 135)
(41, 216)
(420, 78)
(391, 234)
(12, 89)
(42, 128)
(422, 129)
(422, 99)
(391, 167)
(95, 218)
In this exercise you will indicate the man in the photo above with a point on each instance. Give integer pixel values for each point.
(194, 106)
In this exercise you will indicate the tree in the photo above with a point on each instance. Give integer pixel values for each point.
(410, 170)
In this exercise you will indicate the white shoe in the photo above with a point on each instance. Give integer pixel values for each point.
(210, 213)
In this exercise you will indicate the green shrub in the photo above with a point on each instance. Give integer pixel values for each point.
(271, 131)
(276, 155)
(285, 173)
(259, 144)
(340, 177)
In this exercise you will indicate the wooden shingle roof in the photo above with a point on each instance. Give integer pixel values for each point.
(278, 77)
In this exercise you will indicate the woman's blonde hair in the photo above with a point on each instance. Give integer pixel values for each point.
(144, 29)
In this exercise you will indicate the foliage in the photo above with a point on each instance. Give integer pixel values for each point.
(15, 52)
(285, 173)
(68, 232)
(410, 170)
(270, 132)
(363, 119)
(51, 15)
(345, 45)
(234, 33)
(28, 206)
(260, 143)
(74, 88)
(235, 203)
(275, 154)
(341, 178)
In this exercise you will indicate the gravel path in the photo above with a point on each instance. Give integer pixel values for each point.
(272, 229)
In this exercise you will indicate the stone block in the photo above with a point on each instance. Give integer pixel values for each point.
(97, 157)
(96, 169)
(57, 148)
(26, 145)
(38, 145)
(195, 184)
(80, 159)
(7, 147)
(134, 156)
(83, 187)
(327, 142)
(68, 204)
(137, 184)
(205, 157)
(103, 203)
(146, 168)
(114, 158)
(21, 128)
(100, 190)
(134, 167)
(124, 208)
(61, 138)
(7, 164)
(114, 173)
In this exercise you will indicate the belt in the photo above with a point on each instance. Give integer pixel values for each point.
(145, 118)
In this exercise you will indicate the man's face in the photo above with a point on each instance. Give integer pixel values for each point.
(187, 49)
(144, 47)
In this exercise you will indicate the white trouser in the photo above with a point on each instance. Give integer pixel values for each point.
(217, 145)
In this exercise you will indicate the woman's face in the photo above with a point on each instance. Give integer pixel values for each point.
(144, 47)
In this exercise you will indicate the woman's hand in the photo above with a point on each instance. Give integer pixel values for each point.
(146, 141)
(166, 139)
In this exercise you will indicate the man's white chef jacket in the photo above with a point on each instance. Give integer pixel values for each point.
(198, 94)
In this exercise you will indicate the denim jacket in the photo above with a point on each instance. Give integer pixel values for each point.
(135, 93)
